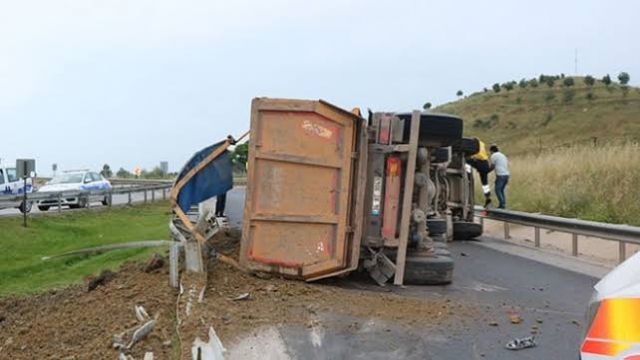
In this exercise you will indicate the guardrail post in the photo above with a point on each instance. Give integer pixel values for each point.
(537, 237)
(145, 196)
(110, 198)
(574, 244)
(164, 194)
(506, 231)
(129, 198)
(153, 195)
(59, 202)
(622, 251)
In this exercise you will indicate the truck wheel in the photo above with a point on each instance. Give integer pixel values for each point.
(43, 208)
(25, 209)
(463, 230)
(436, 130)
(436, 226)
(467, 146)
(428, 270)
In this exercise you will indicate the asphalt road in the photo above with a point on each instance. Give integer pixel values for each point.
(548, 299)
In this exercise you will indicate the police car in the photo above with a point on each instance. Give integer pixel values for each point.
(11, 184)
(613, 317)
(76, 180)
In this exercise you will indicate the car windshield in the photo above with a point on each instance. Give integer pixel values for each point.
(11, 175)
(67, 179)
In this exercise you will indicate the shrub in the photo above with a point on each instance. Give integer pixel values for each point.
(624, 78)
(589, 80)
(523, 83)
(568, 81)
(496, 87)
(568, 95)
(508, 86)
(485, 89)
(459, 93)
(533, 83)
(550, 81)
(426, 106)
(606, 80)
(519, 100)
(590, 96)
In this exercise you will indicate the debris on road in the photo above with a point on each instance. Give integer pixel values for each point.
(245, 296)
(515, 318)
(521, 343)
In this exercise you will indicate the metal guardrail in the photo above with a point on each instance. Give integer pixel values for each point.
(35, 196)
(623, 234)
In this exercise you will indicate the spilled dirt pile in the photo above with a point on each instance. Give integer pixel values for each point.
(75, 323)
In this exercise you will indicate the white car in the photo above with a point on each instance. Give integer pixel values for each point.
(613, 323)
(75, 181)
(11, 184)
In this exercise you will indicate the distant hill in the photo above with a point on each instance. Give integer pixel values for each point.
(531, 119)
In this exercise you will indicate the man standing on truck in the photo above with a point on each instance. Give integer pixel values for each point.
(480, 162)
(500, 163)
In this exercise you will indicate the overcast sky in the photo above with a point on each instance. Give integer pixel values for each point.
(134, 82)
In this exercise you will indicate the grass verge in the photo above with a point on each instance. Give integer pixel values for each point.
(586, 182)
(22, 270)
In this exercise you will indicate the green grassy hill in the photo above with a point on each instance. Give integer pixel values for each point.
(531, 119)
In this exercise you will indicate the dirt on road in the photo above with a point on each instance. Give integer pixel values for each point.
(76, 323)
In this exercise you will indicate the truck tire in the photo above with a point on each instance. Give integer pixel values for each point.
(25, 209)
(463, 230)
(43, 207)
(428, 270)
(436, 130)
(436, 226)
(467, 146)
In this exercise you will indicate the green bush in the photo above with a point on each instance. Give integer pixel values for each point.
(589, 80)
(624, 78)
(568, 95)
(568, 81)
(496, 87)
(606, 80)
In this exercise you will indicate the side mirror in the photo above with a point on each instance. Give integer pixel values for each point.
(87, 180)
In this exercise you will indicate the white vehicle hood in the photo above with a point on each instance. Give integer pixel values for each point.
(59, 187)
(623, 281)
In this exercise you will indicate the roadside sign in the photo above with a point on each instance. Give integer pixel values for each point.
(24, 167)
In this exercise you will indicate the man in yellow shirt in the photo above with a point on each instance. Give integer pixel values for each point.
(480, 162)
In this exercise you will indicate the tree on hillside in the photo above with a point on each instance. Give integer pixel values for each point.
(523, 83)
(542, 78)
(533, 82)
(123, 174)
(239, 156)
(459, 93)
(624, 78)
(606, 80)
(485, 90)
(508, 86)
(496, 87)
(106, 171)
(568, 81)
(589, 80)
(426, 106)
(550, 81)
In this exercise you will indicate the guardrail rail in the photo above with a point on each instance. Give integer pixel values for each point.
(623, 234)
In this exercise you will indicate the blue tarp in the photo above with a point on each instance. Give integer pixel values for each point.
(214, 179)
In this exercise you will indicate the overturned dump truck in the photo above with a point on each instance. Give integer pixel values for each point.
(330, 192)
